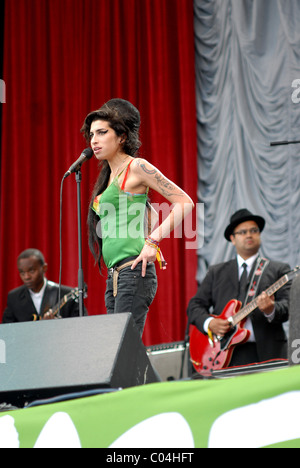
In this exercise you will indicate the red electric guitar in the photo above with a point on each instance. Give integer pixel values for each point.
(212, 353)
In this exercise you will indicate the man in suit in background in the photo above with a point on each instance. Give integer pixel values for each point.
(35, 299)
(223, 283)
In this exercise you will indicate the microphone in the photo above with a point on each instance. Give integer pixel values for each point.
(85, 155)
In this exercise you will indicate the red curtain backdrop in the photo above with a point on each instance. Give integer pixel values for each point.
(62, 59)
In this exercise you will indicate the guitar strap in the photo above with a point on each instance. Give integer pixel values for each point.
(260, 266)
(50, 297)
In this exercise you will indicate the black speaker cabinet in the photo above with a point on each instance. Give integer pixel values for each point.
(49, 358)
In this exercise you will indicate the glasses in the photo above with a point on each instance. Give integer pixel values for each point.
(243, 232)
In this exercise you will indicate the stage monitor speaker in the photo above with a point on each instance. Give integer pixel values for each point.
(267, 366)
(294, 323)
(49, 358)
(170, 360)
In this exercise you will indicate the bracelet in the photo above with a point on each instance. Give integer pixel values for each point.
(159, 256)
(154, 246)
(152, 243)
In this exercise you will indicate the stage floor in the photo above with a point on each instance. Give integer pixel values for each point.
(256, 410)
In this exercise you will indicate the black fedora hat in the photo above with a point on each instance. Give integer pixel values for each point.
(240, 217)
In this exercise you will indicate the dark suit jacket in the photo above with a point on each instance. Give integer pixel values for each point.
(20, 307)
(221, 284)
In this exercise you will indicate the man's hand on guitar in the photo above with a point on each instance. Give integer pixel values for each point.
(219, 326)
(266, 303)
(49, 315)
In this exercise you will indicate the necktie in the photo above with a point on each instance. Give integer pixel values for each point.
(243, 283)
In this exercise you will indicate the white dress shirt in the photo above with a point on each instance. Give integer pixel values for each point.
(38, 297)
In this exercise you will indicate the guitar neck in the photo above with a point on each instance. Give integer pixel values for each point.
(249, 308)
(59, 306)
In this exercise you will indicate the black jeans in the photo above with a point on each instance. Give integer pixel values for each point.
(135, 293)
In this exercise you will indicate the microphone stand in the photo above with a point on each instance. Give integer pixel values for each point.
(80, 269)
(279, 143)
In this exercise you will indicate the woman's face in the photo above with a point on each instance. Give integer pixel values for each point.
(104, 141)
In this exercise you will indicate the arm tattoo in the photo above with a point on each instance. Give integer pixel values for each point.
(143, 166)
(165, 186)
(151, 172)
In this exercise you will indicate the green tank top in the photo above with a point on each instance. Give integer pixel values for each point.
(122, 216)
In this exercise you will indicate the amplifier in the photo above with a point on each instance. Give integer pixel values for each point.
(170, 360)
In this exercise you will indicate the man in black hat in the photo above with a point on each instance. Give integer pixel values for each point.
(246, 277)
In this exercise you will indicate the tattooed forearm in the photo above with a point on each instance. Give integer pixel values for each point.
(162, 182)
(166, 187)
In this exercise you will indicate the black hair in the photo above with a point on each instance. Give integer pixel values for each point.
(32, 253)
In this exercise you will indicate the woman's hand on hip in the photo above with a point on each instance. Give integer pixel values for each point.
(147, 255)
